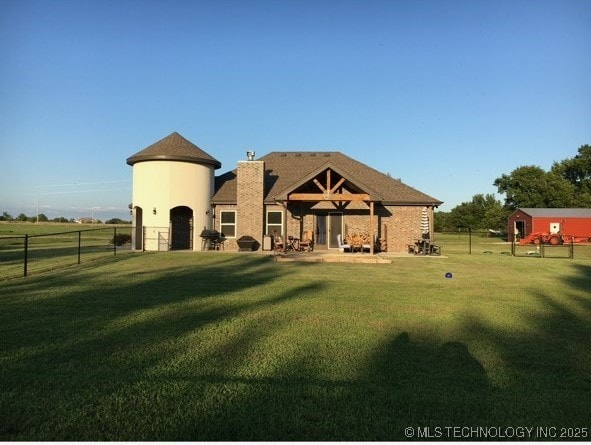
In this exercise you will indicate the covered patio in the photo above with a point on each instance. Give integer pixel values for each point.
(327, 201)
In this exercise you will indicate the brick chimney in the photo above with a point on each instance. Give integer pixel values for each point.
(250, 195)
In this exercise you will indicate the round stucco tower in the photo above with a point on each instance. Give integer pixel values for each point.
(173, 182)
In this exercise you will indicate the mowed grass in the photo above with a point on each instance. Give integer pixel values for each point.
(220, 346)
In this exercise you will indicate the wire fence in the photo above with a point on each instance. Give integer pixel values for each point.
(489, 243)
(25, 254)
(22, 255)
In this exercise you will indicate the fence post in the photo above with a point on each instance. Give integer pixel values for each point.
(79, 244)
(114, 241)
(26, 254)
(470, 240)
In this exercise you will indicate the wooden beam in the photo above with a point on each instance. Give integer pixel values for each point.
(337, 185)
(328, 179)
(328, 197)
(320, 186)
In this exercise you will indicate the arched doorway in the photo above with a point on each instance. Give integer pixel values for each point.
(181, 227)
(138, 229)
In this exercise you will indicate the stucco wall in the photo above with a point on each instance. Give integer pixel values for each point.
(163, 185)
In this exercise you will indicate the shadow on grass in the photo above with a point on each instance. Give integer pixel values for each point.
(542, 379)
(548, 360)
(407, 383)
(108, 337)
(196, 353)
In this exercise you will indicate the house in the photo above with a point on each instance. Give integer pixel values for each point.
(525, 221)
(176, 195)
(87, 220)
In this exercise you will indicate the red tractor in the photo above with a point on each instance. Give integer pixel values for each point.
(553, 239)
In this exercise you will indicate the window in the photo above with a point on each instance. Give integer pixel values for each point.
(274, 222)
(228, 223)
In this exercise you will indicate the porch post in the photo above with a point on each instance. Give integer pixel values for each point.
(371, 229)
(284, 226)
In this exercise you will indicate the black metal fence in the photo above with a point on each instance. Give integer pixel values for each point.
(471, 242)
(21, 255)
(566, 250)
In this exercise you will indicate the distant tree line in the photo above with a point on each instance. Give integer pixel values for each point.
(566, 184)
(43, 218)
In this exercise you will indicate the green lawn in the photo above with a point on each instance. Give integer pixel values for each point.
(208, 346)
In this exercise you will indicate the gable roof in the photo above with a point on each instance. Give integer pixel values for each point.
(556, 213)
(174, 147)
(285, 171)
(283, 194)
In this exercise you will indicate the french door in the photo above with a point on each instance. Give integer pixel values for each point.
(328, 227)
(335, 228)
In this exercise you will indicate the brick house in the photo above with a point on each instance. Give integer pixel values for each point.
(290, 193)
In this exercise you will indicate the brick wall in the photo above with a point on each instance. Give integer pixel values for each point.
(404, 226)
(402, 223)
(359, 224)
(250, 194)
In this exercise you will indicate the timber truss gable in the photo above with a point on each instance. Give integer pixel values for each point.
(330, 184)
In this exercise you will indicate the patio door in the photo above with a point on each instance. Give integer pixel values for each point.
(335, 228)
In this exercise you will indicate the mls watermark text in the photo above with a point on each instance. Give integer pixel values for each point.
(496, 432)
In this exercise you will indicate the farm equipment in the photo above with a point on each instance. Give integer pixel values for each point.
(553, 239)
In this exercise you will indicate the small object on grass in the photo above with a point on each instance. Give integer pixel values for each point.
(505, 253)
(448, 275)
(487, 252)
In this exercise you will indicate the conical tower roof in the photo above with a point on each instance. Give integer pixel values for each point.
(174, 147)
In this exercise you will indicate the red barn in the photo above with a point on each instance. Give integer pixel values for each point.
(576, 222)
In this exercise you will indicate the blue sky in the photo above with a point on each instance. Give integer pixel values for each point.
(445, 95)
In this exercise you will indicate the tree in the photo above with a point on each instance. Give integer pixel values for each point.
(6, 217)
(531, 186)
(42, 218)
(483, 212)
(577, 171)
(22, 217)
(442, 222)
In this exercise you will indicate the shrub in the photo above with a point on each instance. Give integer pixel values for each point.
(121, 238)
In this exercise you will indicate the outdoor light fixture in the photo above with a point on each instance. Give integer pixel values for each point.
(154, 211)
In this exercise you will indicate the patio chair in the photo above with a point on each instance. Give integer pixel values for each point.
(307, 241)
(365, 244)
(343, 247)
(278, 244)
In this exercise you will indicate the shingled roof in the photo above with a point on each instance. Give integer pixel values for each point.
(174, 147)
(286, 170)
